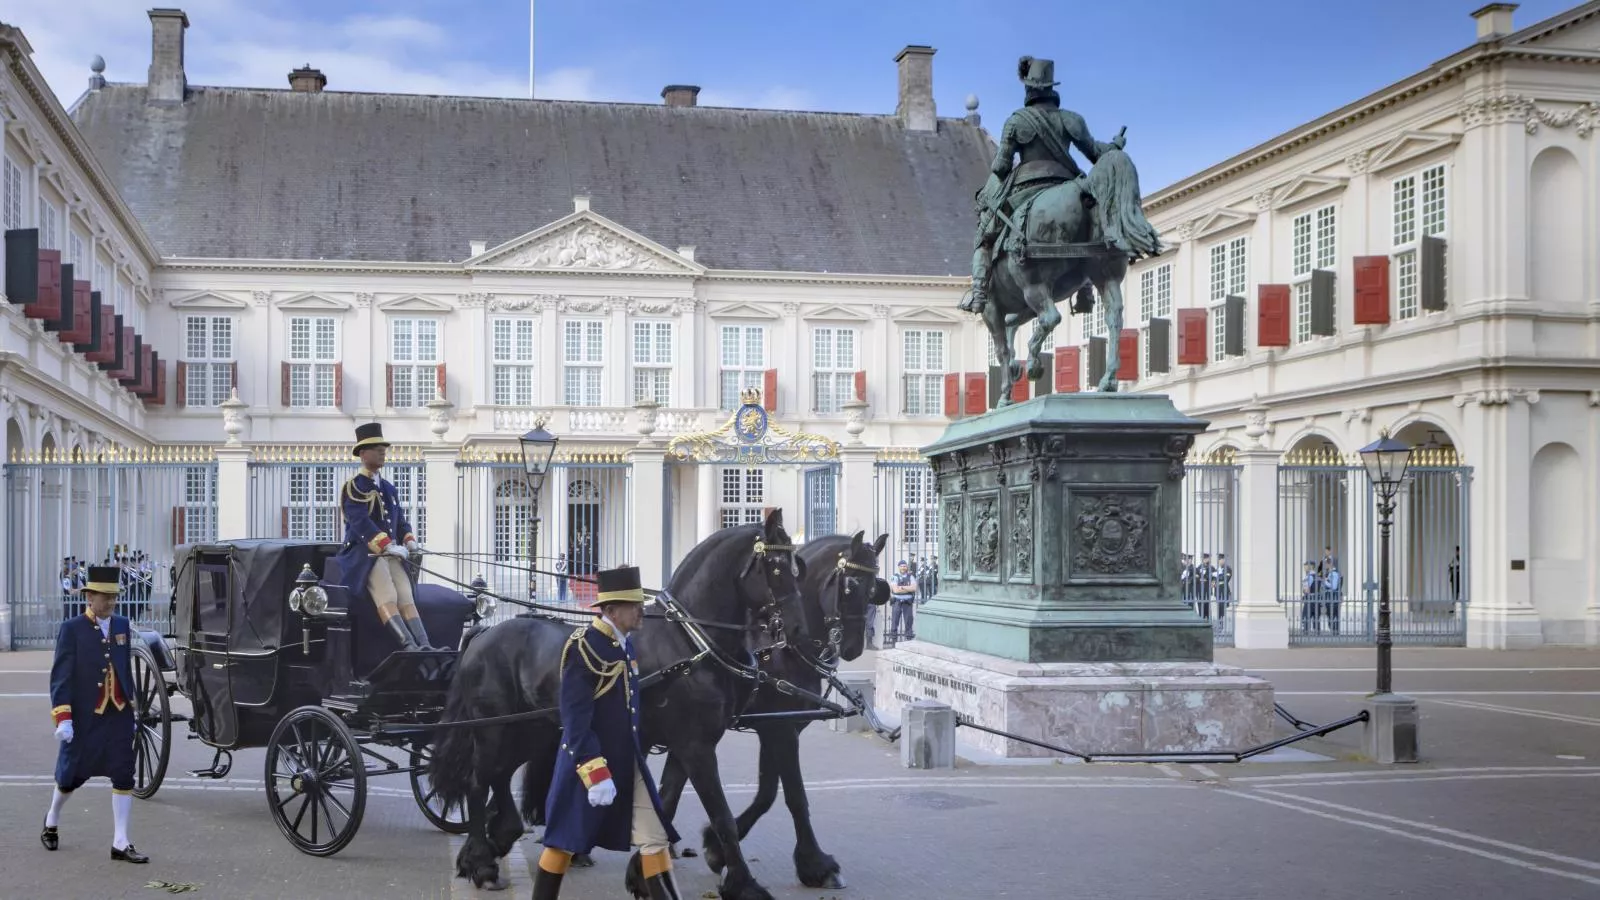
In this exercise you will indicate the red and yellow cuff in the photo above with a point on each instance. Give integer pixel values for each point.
(379, 543)
(594, 771)
(408, 538)
(61, 714)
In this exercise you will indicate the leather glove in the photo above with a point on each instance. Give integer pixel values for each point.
(64, 732)
(413, 547)
(603, 793)
(395, 550)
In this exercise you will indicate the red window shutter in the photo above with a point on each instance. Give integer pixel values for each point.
(952, 395)
(769, 390)
(47, 303)
(106, 350)
(1069, 370)
(80, 327)
(128, 362)
(338, 385)
(861, 385)
(439, 380)
(1021, 389)
(182, 386)
(1128, 355)
(388, 378)
(283, 382)
(977, 400)
(1192, 346)
(177, 525)
(147, 372)
(1272, 315)
(1371, 290)
(283, 521)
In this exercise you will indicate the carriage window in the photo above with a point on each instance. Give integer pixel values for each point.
(833, 368)
(923, 362)
(743, 496)
(652, 361)
(583, 344)
(513, 361)
(744, 360)
(208, 361)
(211, 597)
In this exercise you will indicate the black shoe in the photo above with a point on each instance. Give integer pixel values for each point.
(546, 885)
(662, 887)
(49, 838)
(419, 633)
(128, 854)
(398, 629)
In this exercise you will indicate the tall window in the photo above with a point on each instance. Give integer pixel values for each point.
(652, 361)
(744, 359)
(10, 194)
(313, 510)
(49, 226)
(208, 359)
(1155, 293)
(411, 486)
(199, 506)
(743, 496)
(1314, 246)
(413, 362)
(513, 361)
(1419, 211)
(833, 368)
(923, 364)
(1217, 320)
(313, 358)
(1095, 322)
(513, 515)
(919, 508)
(1229, 269)
(75, 248)
(583, 358)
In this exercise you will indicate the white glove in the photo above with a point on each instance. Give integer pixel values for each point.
(603, 793)
(64, 733)
(395, 550)
(413, 547)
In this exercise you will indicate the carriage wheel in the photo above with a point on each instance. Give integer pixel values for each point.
(152, 716)
(316, 781)
(449, 821)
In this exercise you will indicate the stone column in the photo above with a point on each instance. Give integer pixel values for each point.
(647, 536)
(706, 492)
(1259, 621)
(1501, 615)
(233, 475)
(857, 493)
(444, 510)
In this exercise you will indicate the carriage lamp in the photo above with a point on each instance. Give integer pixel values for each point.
(308, 597)
(1386, 461)
(538, 449)
(482, 600)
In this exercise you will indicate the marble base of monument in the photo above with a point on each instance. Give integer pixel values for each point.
(1136, 707)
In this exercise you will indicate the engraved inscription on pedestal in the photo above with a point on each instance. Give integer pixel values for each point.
(986, 534)
(1110, 536)
(954, 543)
(1020, 539)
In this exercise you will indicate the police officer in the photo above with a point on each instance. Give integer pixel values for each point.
(91, 692)
(602, 793)
(377, 539)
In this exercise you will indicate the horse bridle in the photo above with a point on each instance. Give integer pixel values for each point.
(833, 624)
(769, 617)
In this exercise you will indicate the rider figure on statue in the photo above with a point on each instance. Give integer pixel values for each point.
(378, 541)
(1041, 133)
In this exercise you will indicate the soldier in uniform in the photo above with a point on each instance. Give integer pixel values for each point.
(377, 540)
(91, 696)
(602, 793)
(1041, 133)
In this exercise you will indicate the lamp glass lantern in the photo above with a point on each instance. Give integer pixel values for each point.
(1386, 461)
(538, 449)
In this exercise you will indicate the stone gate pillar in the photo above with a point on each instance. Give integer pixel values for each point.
(1259, 621)
(856, 493)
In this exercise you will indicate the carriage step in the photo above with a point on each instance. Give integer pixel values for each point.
(221, 763)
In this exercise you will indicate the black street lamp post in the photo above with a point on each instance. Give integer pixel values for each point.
(1386, 461)
(538, 449)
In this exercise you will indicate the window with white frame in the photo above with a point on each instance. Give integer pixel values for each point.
(1419, 211)
(413, 362)
(411, 487)
(1095, 321)
(583, 359)
(1229, 269)
(11, 194)
(1217, 318)
(49, 226)
(1163, 301)
(199, 506)
(919, 510)
(1024, 335)
(313, 355)
(313, 510)
(513, 519)
(923, 365)
(75, 248)
(512, 344)
(653, 352)
(1313, 245)
(743, 496)
(207, 359)
(744, 361)
(833, 368)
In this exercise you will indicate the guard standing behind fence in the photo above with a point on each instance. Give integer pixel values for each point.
(377, 537)
(91, 686)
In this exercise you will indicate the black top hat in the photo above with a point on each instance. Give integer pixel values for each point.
(368, 435)
(620, 585)
(104, 580)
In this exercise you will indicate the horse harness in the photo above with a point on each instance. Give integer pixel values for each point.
(833, 623)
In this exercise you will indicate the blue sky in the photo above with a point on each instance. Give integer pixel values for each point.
(1195, 82)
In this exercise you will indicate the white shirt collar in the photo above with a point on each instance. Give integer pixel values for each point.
(614, 629)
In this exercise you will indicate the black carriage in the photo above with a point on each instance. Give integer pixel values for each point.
(271, 653)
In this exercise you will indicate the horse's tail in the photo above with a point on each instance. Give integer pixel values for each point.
(455, 749)
(1114, 182)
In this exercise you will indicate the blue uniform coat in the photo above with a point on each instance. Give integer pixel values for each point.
(600, 734)
(373, 520)
(102, 742)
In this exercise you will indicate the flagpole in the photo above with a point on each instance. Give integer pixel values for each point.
(530, 49)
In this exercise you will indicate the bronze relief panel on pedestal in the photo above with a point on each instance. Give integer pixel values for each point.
(1110, 534)
(1020, 540)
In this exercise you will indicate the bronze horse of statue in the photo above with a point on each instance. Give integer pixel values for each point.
(1077, 233)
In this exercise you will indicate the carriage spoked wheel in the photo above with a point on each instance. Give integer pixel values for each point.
(316, 781)
(152, 716)
(449, 821)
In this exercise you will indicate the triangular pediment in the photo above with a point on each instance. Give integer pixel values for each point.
(415, 303)
(1576, 29)
(1408, 146)
(833, 311)
(1306, 187)
(918, 314)
(585, 241)
(740, 311)
(208, 300)
(314, 303)
(1219, 220)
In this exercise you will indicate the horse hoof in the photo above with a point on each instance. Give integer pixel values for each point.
(818, 871)
(499, 883)
(748, 890)
(688, 853)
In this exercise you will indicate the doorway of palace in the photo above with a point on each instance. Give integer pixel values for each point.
(583, 527)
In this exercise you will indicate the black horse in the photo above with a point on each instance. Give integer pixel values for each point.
(739, 588)
(840, 583)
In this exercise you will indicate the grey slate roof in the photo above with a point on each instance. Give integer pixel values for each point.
(246, 173)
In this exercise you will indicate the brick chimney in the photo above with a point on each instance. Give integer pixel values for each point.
(167, 83)
(1494, 21)
(681, 94)
(916, 109)
(306, 80)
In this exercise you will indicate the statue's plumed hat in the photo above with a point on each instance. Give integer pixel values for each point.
(1037, 73)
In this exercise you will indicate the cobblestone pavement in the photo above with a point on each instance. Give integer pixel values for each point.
(1503, 807)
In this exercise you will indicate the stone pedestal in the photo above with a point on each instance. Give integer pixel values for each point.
(928, 736)
(1154, 707)
(857, 681)
(1391, 732)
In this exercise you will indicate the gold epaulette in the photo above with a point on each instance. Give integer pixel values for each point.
(370, 498)
(605, 673)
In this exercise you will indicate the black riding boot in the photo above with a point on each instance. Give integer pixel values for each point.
(419, 633)
(398, 629)
(546, 885)
(662, 887)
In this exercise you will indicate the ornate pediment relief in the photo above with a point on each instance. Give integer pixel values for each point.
(585, 241)
(415, 303)
(741, 311)
(1306, 187)
(208, 300)
(314, 303)
(1408, 146)
(1218, 220)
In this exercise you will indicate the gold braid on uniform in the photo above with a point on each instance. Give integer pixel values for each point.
(605, 673)
(372, 498)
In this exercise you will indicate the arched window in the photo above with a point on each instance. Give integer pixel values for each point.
(513, 519)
